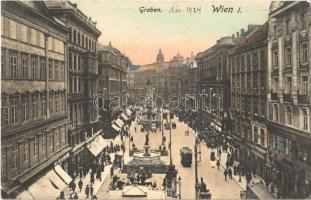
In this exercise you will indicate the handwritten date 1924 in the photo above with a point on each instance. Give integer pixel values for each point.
(193, 10)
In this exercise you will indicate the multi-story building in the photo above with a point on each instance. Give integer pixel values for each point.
(214, 79)
(214, 83)
(113, 67)
(34, 94)
(289, 92)
(248, 63)
(82, 80)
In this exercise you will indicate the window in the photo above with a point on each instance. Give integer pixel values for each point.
(57, 103)
(50, 69)
(287, 23)
(51, 103)
(13, 112)
(56, 69)
(82, 40)
(304, 53)
(34, 68)
(305, 85)
(13, 63)
(289, 85)
(255, 134)
(305, 120)
(304, 20)
(280, 143)
(43, 142)
(14, 156)
(62, 71)
(289, 115)
(51, 140)
(24, 67)
(75, 62)
(262, 137)
(2, 65)
(4, 114)
(74, 36)
(25, 108)
(35, 146)
(275, 113)
(43, 106)
(62, 102)
(70, 61)
(25, 151)
(275, 59)
(79, 42)
(288, 56)
(34, 107)
(12, 29)
(42, 69)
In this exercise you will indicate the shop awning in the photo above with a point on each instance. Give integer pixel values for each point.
(97, 145)
(128, 112)
(59, 170)
(25, 195)
(47, 187)
(119, 122)
(115, 127)
(124, 117)
(258, 191)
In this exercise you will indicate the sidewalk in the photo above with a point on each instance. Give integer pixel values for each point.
(86, 180)
(243, 181)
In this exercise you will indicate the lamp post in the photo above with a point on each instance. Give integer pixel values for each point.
(169, 112)
(179, 187)
(196, 168)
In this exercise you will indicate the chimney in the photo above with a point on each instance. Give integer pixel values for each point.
(237, 34)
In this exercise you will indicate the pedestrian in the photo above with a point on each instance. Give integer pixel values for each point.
(75, 196)
(218, 164)
(80, 184)
(62, 195)
(87, 191)
(135, 129)
(73, 186)
(92, 179)
(81, 171)
(230, 173)
(111, 171)
(225, 173)
(91, 190)
(227, 164)
(99, 174)
(248, 177)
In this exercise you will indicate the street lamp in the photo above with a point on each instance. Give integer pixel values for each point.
(179, 185)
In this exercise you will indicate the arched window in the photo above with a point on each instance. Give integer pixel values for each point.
(305, 119)
(289, 115)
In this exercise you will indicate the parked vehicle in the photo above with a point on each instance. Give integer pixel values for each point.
(186, 156)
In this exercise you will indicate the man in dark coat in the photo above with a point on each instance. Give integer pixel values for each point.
(87, 191)
(80, 184)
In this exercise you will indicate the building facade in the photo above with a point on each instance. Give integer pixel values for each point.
(113, 67)
(248, 63)
(82, 79)
(34, 117)
(289, 91)
(214, 80)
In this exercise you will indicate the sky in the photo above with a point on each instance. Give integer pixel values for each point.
(140, 36)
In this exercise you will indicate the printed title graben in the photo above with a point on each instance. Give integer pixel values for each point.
(151, 9)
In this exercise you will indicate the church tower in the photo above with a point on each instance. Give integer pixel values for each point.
(160, 61)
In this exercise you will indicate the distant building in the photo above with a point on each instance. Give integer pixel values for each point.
(289, 95)
(34, 81)
(113, 67)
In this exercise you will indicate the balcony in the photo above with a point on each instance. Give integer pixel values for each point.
(288, 69)
(275, 71)
(287, 97)
(90, 63)
(304, 66)
(274, 96)
(303, 99)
